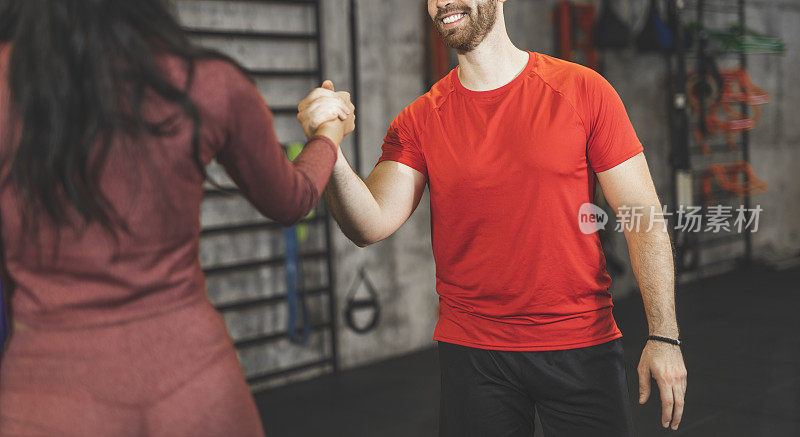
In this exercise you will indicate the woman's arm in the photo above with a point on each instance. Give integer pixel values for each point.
(280, 189)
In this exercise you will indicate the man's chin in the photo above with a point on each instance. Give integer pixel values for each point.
(454, 40)
(460, 45)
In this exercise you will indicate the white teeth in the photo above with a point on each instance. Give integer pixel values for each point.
(453, 18)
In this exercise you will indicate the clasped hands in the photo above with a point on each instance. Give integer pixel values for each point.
(328, 112)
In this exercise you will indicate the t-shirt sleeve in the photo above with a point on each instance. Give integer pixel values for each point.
(611, 137)
(255, 160)
(401, 144)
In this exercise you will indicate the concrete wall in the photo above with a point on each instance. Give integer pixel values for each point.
(392, 65)
(391, 62)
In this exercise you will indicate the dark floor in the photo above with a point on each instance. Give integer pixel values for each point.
(742, 351)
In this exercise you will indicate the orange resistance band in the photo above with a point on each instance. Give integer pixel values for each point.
(728, 178)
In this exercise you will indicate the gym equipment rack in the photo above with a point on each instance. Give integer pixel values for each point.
(684, 153)
(319, 218)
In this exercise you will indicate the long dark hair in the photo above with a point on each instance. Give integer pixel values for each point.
(79, 71)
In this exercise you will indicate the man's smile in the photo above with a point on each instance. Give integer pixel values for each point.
(451, 20)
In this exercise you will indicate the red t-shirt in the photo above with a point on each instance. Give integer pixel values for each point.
(508, 170)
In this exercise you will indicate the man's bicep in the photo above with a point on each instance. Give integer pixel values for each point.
(629, 184)
(397, 188)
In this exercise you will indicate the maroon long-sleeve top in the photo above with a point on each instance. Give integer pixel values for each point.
(93, 280)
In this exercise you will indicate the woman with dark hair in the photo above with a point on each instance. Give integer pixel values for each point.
(108, 118)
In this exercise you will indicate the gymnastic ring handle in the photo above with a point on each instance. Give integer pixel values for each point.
(353, 305)
(369, 303)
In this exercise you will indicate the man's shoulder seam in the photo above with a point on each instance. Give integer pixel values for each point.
(434, 104)
(562, 95)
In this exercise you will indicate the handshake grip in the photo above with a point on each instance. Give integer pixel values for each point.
(328, 112)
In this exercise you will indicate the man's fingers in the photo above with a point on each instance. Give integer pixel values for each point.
(679, 391)
(330, 104)
(335, 108)
(338, 107)
(667, 398)
(334, 102)
(323, 110)
(344, 95)
(317, 93)
(644, 384)
(677, 414)
(327, 91)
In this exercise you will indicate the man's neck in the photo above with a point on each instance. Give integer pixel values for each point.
(494, 63)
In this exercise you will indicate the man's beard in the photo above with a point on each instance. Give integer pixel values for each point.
(465, 38)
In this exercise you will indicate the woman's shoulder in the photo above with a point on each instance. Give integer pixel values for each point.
(215, 85)
(220, 71)
(220, 82)
(208, 75)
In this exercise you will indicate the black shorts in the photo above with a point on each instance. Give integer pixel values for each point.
(577, 392)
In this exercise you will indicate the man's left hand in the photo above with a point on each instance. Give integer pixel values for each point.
(664, 363)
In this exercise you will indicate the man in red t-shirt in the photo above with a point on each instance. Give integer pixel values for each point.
(509, 144)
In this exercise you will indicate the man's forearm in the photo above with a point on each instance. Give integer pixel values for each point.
(652, 262)
(352, 205)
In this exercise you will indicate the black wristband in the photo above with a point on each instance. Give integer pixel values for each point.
(664, 339)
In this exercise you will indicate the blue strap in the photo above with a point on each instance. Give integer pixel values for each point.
(294, 296)
(665, 38)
